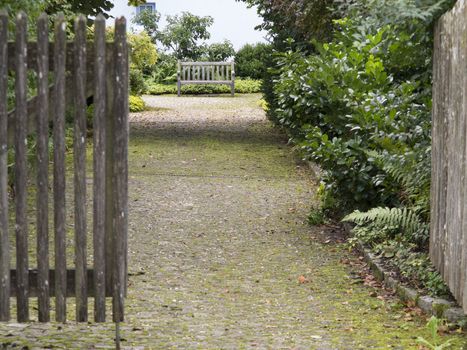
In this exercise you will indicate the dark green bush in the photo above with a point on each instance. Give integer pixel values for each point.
(251, 60)
(137, 82)
(343, 102)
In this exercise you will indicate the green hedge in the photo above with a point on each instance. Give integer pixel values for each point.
(242, 86)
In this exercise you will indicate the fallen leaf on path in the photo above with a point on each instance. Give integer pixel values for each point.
(302, 279)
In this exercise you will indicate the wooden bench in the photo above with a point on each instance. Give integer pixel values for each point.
(206, 73)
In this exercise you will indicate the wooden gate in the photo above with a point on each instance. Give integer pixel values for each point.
(448, 240)
(67, 73)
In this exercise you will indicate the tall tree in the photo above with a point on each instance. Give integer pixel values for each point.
(301, 20)
(219, 51)
(149, 20)
(87, 8)
(183, 33)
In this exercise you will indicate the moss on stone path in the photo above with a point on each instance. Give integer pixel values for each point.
(218, 240)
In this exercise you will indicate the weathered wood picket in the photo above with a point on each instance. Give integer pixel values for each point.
(448, 240)
(206, 73)
(76, 70)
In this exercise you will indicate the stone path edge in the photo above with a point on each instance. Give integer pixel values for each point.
(438, 307)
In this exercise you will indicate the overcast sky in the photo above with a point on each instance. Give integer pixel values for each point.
(232, 19)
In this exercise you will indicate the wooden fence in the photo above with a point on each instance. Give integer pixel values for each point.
(67, 73)
(206, 73)
(448, 240)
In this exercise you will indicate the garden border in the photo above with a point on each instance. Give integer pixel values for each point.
(438, 307)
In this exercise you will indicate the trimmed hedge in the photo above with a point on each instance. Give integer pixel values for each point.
(242, 86)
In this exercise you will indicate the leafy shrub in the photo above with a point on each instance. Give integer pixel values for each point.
(251, 60)
(242, 86)
(143, 56)
(165, 71)
(137, 82)
(218, 52)
(343, 102)
(359, 106)
(136, 104)
(143, 53)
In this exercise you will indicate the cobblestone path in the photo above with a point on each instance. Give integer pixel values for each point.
(221, 255)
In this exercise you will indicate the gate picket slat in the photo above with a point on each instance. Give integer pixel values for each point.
(120, 165)
(4, 234)
(99, 170)
(109, 175)
(458, 158)
(21, 226)
(463, 245)
(43, 169)
(437, 148)
(451, 142)
(448, 236)
(79, 147)
(59, 168)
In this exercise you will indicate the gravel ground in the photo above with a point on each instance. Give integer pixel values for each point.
(221, 255)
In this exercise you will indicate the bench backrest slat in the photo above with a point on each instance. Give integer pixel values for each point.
(206, 73)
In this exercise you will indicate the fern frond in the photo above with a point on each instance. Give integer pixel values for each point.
(405, 219)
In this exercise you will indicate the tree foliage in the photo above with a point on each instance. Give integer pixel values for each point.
(87, 8)
(69, 7)
(251, 60)
(183, 34)
(143, 53)
(149, 20)
(301, 20)
(219, 51)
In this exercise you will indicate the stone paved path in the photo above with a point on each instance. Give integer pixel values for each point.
(218, 241)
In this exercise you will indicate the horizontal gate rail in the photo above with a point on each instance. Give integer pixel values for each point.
(35, 291)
